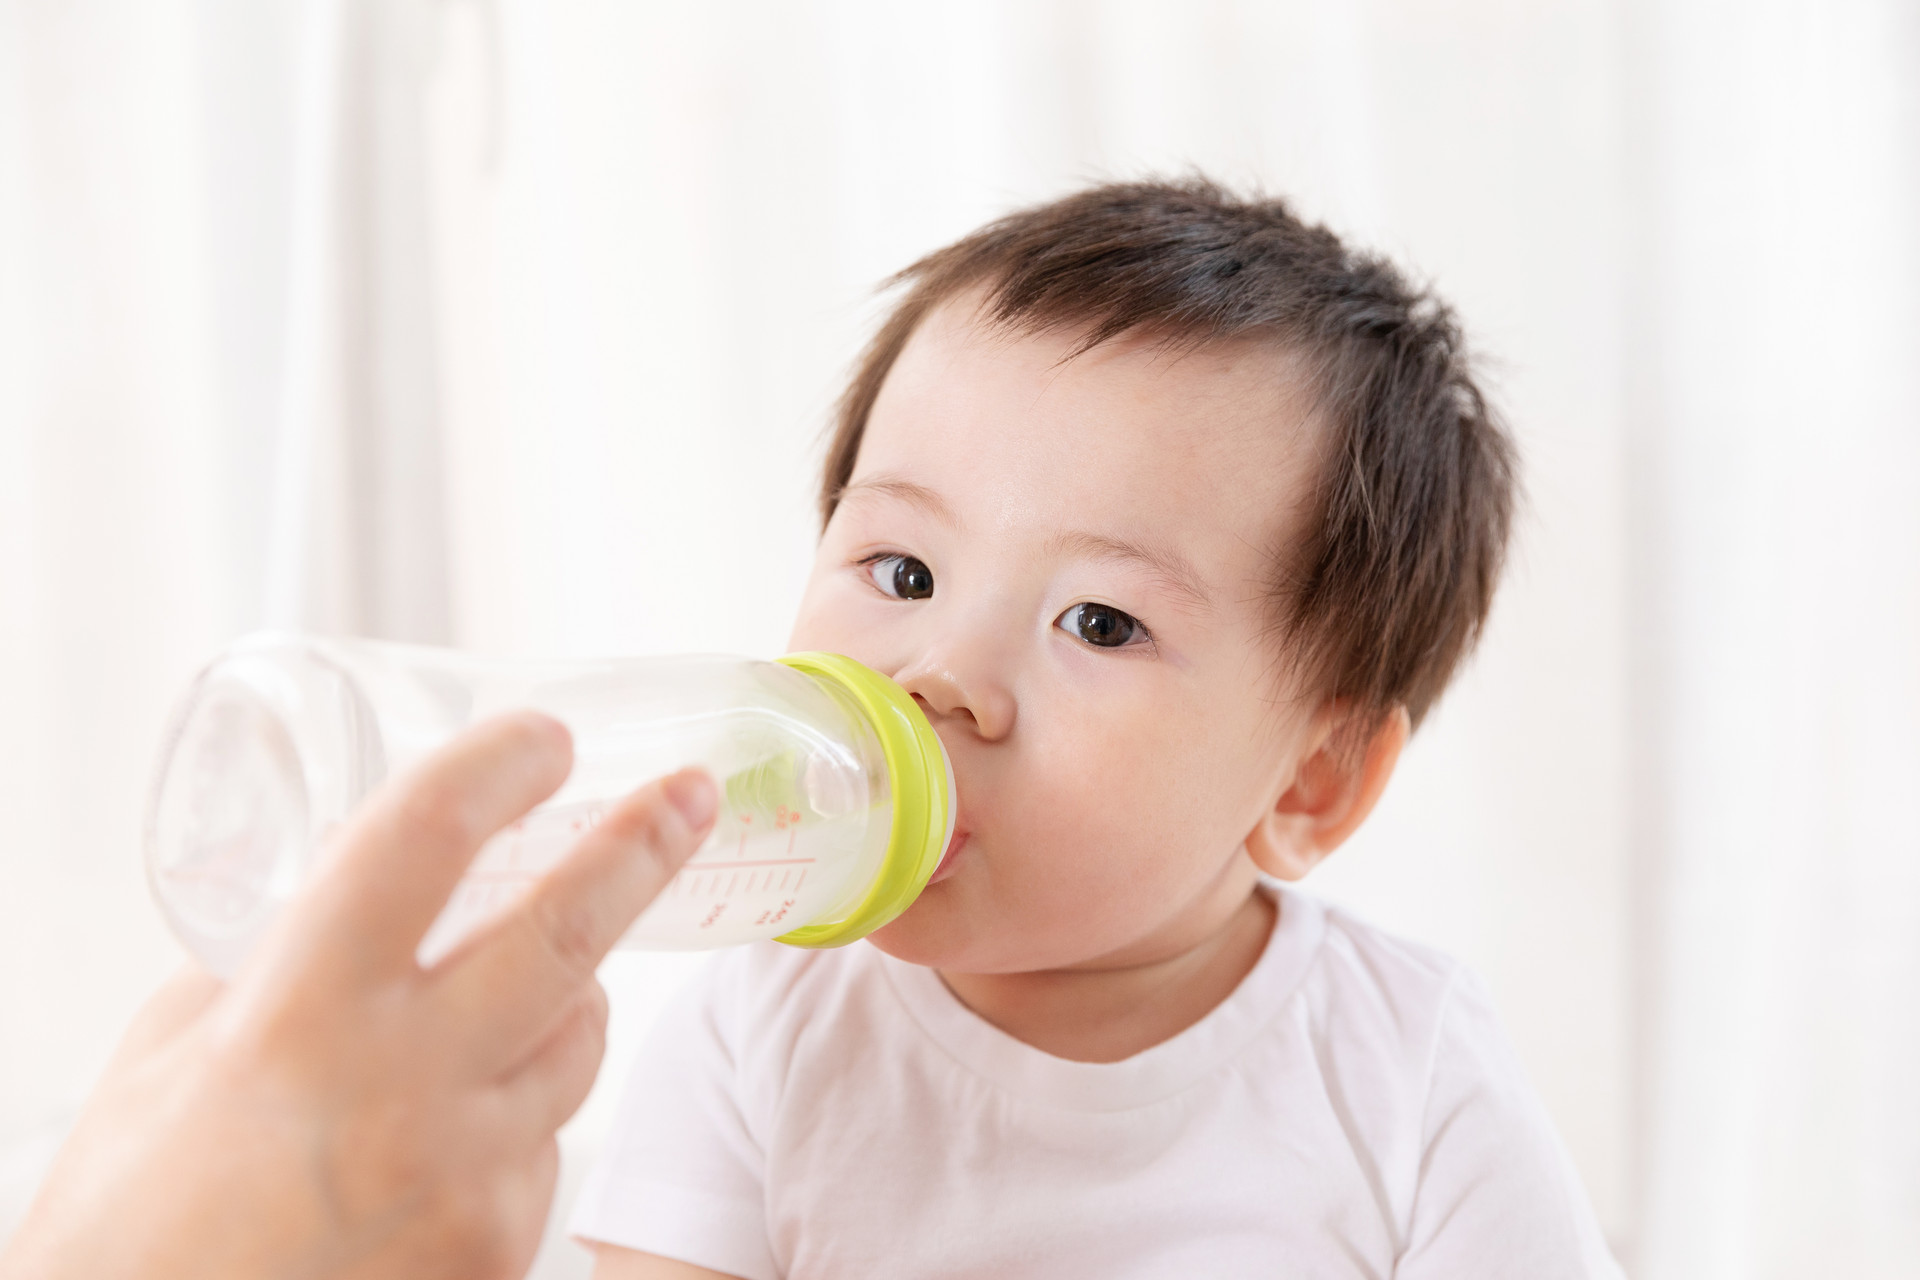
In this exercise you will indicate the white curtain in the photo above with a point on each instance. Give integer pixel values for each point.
(512, 325)
(1777, 442)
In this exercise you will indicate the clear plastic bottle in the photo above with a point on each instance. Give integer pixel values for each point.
(836, 800)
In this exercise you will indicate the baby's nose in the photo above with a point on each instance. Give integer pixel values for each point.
(946, 693)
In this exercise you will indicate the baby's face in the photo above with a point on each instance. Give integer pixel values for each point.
(1069, 566)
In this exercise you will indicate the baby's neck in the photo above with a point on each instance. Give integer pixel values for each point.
(1106, 1014)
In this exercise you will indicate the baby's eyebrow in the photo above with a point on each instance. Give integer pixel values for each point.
(1174, 571)
(905, 490)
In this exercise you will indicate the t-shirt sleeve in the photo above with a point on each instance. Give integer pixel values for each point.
(682, 1175)
(1497, 1196)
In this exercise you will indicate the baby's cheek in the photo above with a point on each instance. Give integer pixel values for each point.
(1108, 836)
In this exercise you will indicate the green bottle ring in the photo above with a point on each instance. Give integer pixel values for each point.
(921, 782)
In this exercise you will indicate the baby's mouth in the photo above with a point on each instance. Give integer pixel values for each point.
(949, 858)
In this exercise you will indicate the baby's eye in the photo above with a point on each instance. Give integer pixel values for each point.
(902, 577)
(1102, 625)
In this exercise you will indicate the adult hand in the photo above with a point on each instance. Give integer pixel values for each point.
(339, 1111)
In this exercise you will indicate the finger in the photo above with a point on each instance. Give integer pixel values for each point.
(169, 1010)
(399, 860)
(542, 1093)
(502, 986)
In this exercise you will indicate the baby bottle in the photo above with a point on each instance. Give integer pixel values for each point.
(835, 793)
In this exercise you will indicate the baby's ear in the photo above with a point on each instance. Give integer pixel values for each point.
(1333, 790)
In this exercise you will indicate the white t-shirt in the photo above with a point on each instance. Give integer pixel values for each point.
(1352, 1109)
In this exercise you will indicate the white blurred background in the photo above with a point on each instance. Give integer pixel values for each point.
(513, 325)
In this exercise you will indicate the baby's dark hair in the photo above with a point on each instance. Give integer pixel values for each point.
(1389, 587)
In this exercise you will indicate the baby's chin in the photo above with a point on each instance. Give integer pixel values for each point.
(944, 929)
(935, 931)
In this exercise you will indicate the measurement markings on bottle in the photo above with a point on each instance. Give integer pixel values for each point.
(730, 865)
(774, 915)
(723, 881)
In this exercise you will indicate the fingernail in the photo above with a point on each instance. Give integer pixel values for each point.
(692, 792)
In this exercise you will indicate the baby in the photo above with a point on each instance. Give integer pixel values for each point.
(1175, 515)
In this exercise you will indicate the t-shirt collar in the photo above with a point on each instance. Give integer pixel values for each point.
(1149, 1076)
